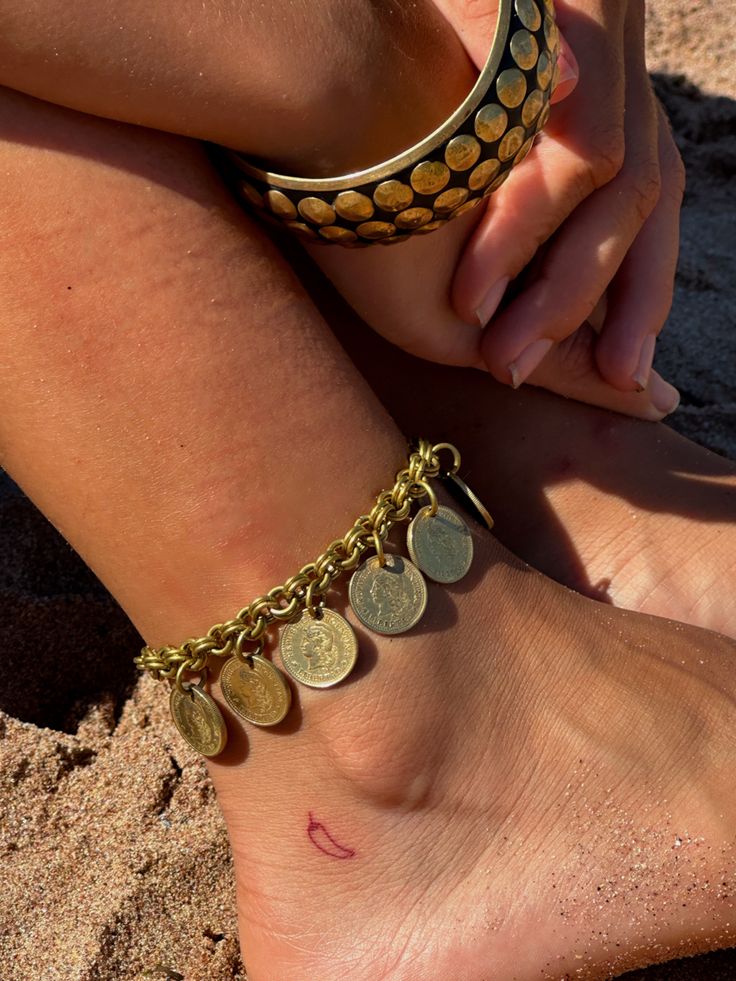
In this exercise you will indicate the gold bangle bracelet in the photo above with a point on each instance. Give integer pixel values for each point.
(445, 175)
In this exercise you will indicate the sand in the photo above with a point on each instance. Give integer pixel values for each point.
(115, 859)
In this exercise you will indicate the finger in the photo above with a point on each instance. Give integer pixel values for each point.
(570, 370)
(597, 317)
(586, 253)
(581, 150)
(475, 24)
(575, 272)
(640, 296)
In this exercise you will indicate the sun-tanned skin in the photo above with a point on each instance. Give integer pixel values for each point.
(531, 784)
(324, 87)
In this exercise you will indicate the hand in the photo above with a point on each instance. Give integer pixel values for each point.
(602, 190)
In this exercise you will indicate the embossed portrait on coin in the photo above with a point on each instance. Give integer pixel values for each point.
(255, 690)
(446, 535)
(391, 593)
(318, 647)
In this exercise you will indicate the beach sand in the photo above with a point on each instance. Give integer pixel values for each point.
(115, 861)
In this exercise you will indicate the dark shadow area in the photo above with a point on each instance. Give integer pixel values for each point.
(67, 644)
(718, 966)
(704, 127)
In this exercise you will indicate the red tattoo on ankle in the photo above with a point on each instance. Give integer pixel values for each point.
(322, 839)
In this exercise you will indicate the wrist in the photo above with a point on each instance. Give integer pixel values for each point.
(378, 86)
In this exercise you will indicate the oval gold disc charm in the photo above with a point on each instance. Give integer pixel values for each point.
(441, 544)
(319, 651)
(259, 694)
(198, 720)
(389, 598)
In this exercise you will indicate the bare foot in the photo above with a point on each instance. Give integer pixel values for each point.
(621, 510)
(508, 793)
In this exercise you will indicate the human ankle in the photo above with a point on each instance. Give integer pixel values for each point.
(504, 764)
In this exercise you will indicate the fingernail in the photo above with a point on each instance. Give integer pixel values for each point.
(597, 317)
(568, 68)
(665, 397)
(644, 368)
(489, 303)
(529, 359)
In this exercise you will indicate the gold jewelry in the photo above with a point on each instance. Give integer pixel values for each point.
(445, 175)
(318, 647)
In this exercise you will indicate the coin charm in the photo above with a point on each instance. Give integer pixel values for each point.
(259, 694)
(468, 499)
(198, 719)
(389, 598)
(440, 544)
(319, 651)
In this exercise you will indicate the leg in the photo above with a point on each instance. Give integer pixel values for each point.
(479, 800)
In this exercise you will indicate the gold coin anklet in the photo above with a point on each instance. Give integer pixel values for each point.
(317, 646)
(445, 175)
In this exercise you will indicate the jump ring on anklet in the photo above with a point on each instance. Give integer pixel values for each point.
(378, 546)
(437, 449)
(433, 502)
(244, 655)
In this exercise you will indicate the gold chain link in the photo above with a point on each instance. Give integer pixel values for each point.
(245, 634)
